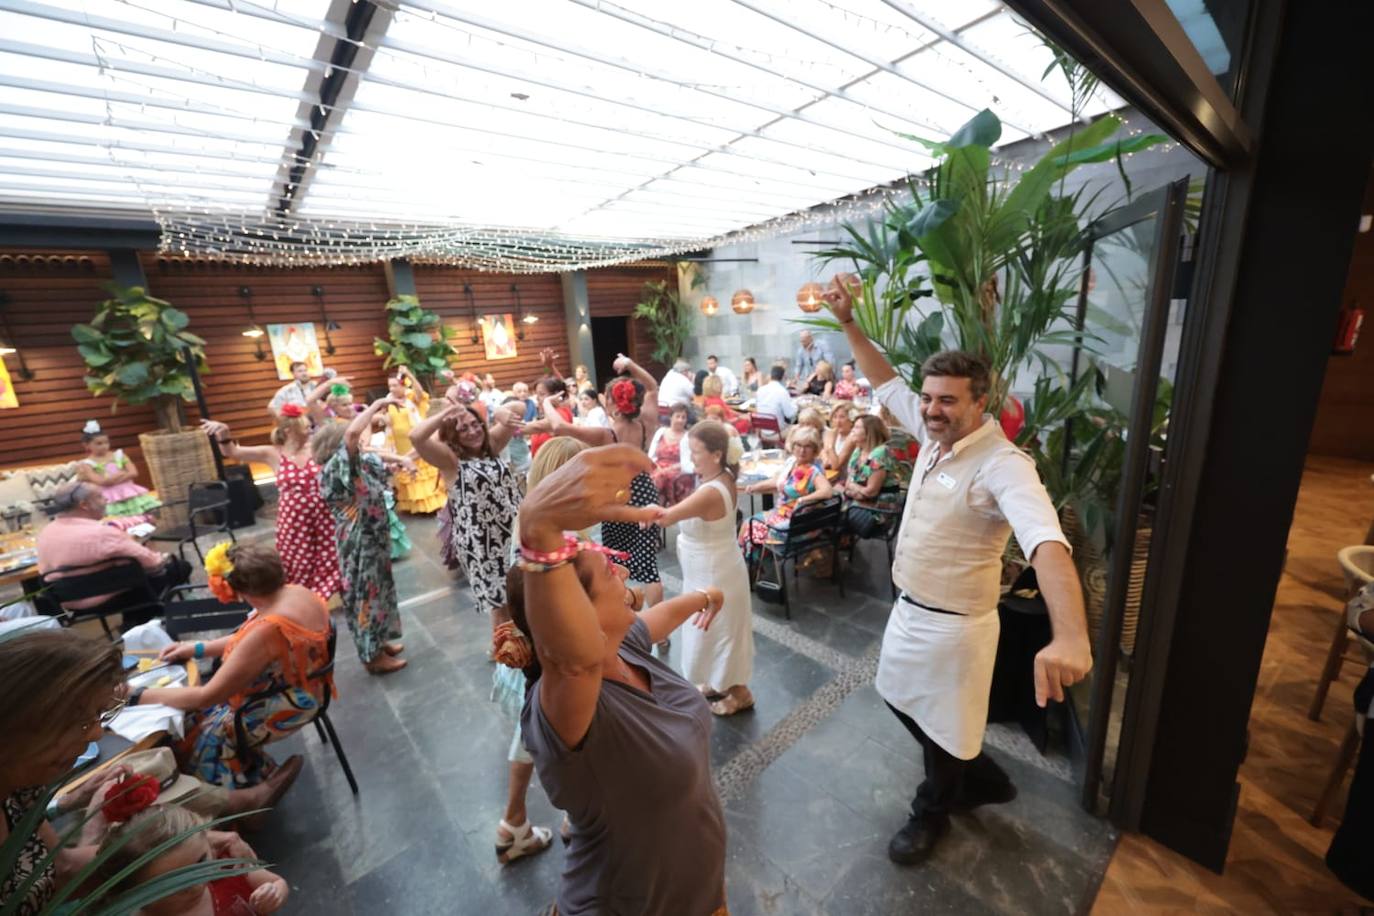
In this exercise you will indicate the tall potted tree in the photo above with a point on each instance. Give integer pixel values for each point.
(669, 317)
(135, 350)
(417, 339)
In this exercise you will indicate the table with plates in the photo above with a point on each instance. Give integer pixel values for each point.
(18, 556)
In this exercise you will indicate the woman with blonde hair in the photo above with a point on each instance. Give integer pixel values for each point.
(801, 481)
(515, 836)
(421, 491)
(833, 437)
(822, 381)
(305, 529)
(720, 660)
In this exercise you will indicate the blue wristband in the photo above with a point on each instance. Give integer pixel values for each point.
(200, 650)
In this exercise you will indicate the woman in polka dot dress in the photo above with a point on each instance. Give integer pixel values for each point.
(305, 527)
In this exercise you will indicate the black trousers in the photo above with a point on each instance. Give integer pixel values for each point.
(950, 782)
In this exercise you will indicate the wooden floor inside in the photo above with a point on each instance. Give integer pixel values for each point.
(1275, 864)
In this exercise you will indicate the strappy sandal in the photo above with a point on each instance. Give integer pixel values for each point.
(526, 840)
(731, 704)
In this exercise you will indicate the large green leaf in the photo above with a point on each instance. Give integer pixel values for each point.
(175, 319)
(1036, 181)
(132, 374)
(1103, 152)
(95, 356)
(85, 334)
(932, 216)
(417, 339)
(982, 130)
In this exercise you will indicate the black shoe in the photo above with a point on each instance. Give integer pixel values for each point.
(985, 795)
(914, 843)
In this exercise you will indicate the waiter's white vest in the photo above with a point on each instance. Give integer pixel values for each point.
(948, 556)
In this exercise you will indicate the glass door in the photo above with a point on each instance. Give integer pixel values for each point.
(1129, 300)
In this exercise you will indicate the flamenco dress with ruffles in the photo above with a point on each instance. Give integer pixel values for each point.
(419, 492)
(305, 529)
(126, 504)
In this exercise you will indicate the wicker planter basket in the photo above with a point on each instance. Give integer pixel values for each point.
(176, 460)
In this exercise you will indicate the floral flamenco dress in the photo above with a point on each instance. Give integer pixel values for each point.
(419, 492)
(795, 483)
(127, 503)
(354, 487)
(210, 751)
(305, 529)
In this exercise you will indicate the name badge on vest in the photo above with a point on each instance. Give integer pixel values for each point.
(945, 480)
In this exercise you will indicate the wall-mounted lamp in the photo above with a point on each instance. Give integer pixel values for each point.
(809, 297)
(329, 325)
(710, 305)
(472, 311)
(254, 329)
(742, 302)
(7, 346)
(520, 311)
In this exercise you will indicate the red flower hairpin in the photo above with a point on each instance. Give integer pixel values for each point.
(623, 394)
(292, 410)
(128, 797)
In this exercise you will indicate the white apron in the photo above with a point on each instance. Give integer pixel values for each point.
(937, 668)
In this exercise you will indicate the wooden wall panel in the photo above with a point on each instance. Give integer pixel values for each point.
(441, 290)
(616, 291)
(48, 292)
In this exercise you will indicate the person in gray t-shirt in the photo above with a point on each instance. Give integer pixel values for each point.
(620, 740)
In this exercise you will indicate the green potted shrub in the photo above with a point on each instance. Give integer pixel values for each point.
(135, 350)
(669, 318)
(418, 339)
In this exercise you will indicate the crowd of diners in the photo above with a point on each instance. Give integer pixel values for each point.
(551, 499)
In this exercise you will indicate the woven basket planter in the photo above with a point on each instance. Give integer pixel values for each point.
(175, 461)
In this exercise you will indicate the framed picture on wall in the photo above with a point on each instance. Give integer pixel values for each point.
(294, 343)
(498, 333)
(7, 396)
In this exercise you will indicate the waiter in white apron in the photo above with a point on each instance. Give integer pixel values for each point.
(970, 490)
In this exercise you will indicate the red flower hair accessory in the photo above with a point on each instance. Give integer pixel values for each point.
(509, 646)
(292, 410)
(623, 394)
(128, 797)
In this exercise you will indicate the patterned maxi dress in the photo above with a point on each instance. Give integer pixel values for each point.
(354, 487)
(305, 529)
(795, 482)
(210, 749)
(484, 498)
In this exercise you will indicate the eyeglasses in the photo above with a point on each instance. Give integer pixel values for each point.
(107, 716)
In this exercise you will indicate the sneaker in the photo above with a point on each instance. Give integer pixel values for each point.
(914, 843)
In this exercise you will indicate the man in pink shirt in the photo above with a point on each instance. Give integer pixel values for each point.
(78, 538)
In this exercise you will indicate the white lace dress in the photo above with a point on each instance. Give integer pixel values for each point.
(722, 656)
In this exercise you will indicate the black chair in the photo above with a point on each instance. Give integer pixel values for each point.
(811, 527)
(891, 523)
(123, 579)
(321, 717)
(183, 615)
(207, 512)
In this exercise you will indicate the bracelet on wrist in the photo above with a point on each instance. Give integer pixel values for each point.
(136, 695)
(200, 650)
(707, 595)
(537, 561)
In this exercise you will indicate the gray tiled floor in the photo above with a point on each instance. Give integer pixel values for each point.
(816, 780)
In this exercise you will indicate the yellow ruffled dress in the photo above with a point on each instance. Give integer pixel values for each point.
(421, 492)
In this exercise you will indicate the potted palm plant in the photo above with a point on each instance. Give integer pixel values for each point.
(136, 349)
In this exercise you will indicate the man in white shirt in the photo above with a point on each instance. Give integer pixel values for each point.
(728, 382)
(970, 490)
(774, 400)
(295, 391)
(676, 387)
(491, 395)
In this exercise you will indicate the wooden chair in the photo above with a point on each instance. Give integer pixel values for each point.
(1358, 565)
(813, 526)
(1350, 744)
(768, 430)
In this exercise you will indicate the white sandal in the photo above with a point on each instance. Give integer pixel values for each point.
(525, 840)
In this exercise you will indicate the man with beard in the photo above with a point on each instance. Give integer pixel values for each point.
(970, 490)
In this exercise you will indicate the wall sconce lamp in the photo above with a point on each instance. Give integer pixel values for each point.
(7, 339)
(329, 325)
(254, 329)
(520, 310)
(472, 311)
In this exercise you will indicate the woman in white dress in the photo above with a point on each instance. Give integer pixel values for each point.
(719, 660)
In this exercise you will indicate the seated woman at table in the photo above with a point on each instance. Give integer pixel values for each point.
(871, 484)
(712, 390)
(750, 378)
(673, 474)
(70, 687)
(833, 437)
(847, 388)
(282, 642)
(620, 740)
(822, 381)
(801, 481)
